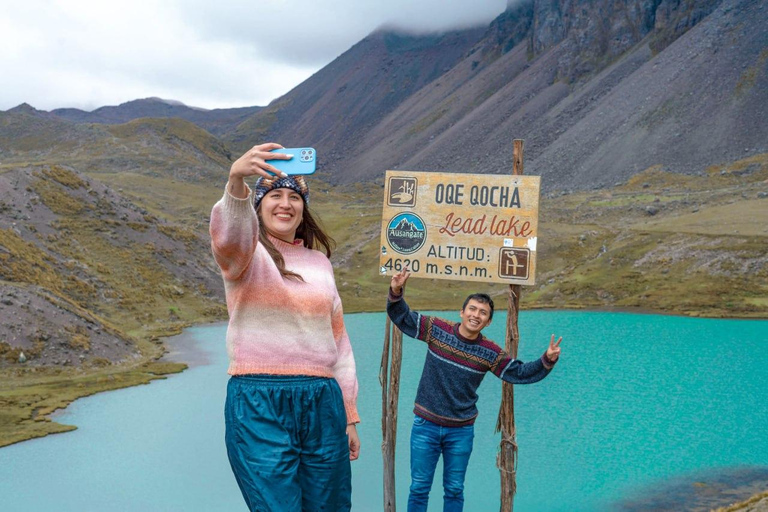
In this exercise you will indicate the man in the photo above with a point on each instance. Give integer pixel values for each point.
(458, 358)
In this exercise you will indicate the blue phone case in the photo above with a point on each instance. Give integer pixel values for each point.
(303, 162)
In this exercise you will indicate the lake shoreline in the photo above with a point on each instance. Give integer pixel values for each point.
(157, 366)
(180, 348)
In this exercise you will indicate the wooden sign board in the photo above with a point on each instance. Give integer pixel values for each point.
(463, 227)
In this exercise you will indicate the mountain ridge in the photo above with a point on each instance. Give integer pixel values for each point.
(216, 121)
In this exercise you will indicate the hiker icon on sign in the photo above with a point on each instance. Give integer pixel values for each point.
(513, 263)
(402, 192)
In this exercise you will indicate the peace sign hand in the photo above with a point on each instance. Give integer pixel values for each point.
(398, 281)
(553, 352)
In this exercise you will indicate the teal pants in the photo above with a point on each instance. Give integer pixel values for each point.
(287, 444)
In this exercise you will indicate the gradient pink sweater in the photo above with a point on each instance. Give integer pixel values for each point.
(280, 326)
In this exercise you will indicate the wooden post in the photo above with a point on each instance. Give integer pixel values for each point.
(390, 392)
(506, 460)
(384, 381)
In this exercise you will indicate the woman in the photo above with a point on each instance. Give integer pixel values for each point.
(291, 401)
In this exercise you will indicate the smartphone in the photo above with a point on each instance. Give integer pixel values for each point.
(303, 162)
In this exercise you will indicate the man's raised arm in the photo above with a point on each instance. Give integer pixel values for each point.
(406, 320)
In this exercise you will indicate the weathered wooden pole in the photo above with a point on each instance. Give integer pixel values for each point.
(390, 391)
(506, 460)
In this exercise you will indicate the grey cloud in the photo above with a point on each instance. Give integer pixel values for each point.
(313, 33)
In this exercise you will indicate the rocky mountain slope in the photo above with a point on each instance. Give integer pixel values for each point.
(339, 104)
(599, 91)
(77, 260)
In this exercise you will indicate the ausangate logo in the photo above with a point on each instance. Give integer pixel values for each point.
(406, 233)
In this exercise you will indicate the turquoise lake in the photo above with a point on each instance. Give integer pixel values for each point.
(639, 408)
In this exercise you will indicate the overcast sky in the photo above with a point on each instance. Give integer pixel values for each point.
(210, 54)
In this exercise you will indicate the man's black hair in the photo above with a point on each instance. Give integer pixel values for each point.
(482, 298)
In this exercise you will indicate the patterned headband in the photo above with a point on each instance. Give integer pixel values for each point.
(264, 185)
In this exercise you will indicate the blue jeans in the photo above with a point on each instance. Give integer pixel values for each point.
(428, 441)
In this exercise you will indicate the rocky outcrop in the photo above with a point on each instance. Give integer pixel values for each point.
(592, 33)
(676, 17)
